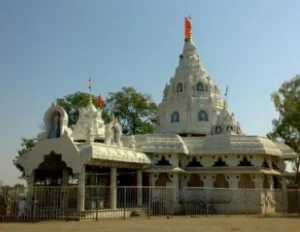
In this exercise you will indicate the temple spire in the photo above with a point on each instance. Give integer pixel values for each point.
(187, 28)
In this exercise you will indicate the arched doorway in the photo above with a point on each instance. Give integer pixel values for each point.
(195, 181)
(246, 182)
(50, 178)
(221, 182)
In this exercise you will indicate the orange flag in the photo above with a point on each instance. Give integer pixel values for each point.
(100, 101)
(187, 28)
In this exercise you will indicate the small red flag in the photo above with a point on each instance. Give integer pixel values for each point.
(100, 100)
(187, 28)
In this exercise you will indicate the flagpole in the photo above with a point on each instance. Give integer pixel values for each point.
(90, 88)
(226, 94)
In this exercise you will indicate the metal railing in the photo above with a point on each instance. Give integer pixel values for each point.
(96, 202)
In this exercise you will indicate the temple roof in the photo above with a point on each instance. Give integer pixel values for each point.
(210, 145)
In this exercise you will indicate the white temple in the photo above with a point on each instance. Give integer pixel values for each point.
(197, 143)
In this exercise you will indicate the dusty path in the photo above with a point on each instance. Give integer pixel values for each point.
(176, 224)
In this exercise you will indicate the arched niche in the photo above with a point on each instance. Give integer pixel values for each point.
(221, 182)
(195, 181)
(175, 117)
(217, 130)
(55, 121)
(246, 182)
(162, 180)
(179, 88)
(202, 115)
(199, 87)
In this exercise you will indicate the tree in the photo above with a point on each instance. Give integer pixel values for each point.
(287, 125)
(136, 111)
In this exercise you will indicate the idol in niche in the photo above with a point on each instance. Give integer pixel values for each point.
(55, 126)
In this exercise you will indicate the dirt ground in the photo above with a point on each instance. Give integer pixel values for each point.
(175, 224)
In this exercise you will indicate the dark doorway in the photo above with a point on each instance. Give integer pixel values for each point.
(126, 184)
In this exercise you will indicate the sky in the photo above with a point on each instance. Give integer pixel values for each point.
(49, 49)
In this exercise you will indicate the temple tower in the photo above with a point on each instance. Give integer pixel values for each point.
(191, 100)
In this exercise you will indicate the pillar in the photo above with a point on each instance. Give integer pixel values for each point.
(65, 194)
(259, 182)
(81, 189)
(140, 187)
(175, 187)
(31, 183)
(113, 188)
(234, 181)
(65, 179)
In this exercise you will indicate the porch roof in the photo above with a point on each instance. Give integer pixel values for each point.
(113, 153)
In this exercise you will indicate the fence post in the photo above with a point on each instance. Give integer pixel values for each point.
(97, 202)
(66, 202)
(149, 201)
(34, 203)
(125, 188)
(206, 203)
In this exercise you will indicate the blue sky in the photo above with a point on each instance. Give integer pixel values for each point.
(50, 48)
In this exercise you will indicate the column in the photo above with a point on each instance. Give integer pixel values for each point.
(30, 183)
(234, 181)
(65, 179)
(31, 194)
(65, 183)
(113, 188)
(175, 187)
(81, 190)
(139, 187)
(259, 179)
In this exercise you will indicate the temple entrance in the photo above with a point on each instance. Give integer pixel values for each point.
(51, 171)
(97, 187)
(49, 178)
(126, 187)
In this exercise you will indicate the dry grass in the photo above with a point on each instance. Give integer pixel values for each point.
(175, 224)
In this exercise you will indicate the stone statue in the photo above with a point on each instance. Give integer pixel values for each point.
(55, 126)
(113, 132)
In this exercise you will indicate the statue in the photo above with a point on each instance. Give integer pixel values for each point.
(55, 126)
(113, 132)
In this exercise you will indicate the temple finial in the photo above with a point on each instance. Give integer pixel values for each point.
(225, 105)
(187, 28)
(90, 88)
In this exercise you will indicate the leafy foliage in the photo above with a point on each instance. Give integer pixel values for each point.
(136, 111)
(287, 125)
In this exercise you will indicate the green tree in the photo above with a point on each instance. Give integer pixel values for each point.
(287, 126)
(136, 111)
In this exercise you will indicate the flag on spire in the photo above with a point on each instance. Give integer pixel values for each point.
(100, 101)
(187, 28)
